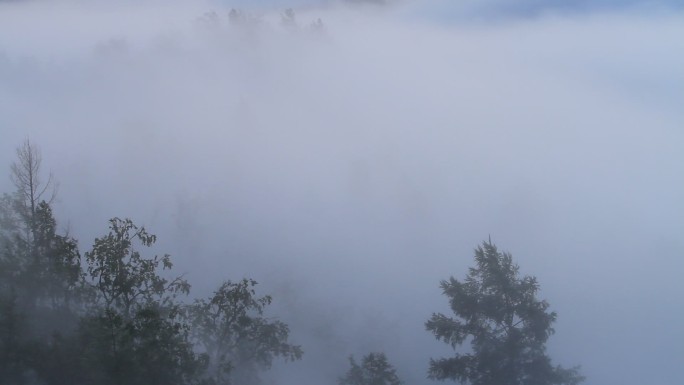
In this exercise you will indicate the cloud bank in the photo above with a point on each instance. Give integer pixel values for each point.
(349, 168)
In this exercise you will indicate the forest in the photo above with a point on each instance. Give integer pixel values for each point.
(115, 314)
(303, 192)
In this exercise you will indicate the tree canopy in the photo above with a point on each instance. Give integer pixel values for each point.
(114, 317)
(374, 370)
(231, 329)
(498, 313)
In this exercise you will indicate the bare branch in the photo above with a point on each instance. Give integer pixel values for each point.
(26, 178)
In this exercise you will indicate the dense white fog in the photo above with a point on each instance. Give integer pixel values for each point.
(350, 167)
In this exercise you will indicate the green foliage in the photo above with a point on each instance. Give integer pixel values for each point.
(374, 370)
(116, 322)
(151, 347)
(39, 271)
(42, 266)
(56, 263)
(239, 340)
(134, 334)
(128, 327)
(115, 319)
(498, 313)
(122, 277)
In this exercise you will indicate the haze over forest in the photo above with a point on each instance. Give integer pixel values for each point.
(350, 157)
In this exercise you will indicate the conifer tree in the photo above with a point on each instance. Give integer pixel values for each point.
(497, 312)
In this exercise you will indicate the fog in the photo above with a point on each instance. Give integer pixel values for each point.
(350, 168)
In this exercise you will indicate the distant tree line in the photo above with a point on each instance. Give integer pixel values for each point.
(111, 315)
(239, 18)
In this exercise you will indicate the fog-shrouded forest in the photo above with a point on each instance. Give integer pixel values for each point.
(341, 192)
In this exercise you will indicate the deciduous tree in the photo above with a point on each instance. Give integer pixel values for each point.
(134, 333)
(124, 279)
(231, 328)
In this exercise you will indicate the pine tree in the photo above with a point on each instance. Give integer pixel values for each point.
(498, 314)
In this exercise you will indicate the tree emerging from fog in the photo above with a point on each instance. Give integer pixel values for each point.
(231, 329)
(115, 318)
(498, 314)
(135, 334)
(374, 370)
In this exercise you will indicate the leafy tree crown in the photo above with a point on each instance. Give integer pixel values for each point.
(497, 312)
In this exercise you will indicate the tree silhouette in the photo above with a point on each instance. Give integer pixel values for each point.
(374, 370)
(498, 313)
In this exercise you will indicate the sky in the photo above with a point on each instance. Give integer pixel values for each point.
(352, 168)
